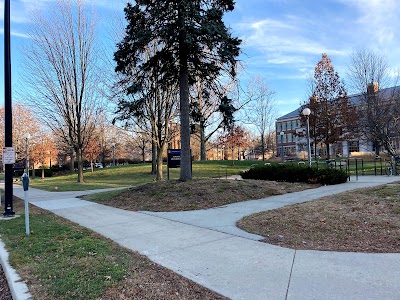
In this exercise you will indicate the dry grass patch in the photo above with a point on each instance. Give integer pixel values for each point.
(366, 220)
(195, 194)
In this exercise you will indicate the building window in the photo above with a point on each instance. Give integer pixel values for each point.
(289, 125)
(281, 138)
(278, 127)
(354, 146)
(294, 124)
(289, 138)
(284, 126)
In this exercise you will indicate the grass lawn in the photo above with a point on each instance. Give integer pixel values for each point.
(134, 175)
(366, 220)
(61, 260)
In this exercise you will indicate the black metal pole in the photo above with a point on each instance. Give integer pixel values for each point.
(8, 168)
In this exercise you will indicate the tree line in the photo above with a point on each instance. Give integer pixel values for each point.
(174, 80)
(175, 74)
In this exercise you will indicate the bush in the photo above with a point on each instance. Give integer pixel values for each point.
(295, 173)
(38, 173)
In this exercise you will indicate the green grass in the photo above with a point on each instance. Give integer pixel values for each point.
(134, 175)
(103, 196)
(100, 178)
(68, 261)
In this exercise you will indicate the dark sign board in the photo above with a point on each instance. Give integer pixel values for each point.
(174, 158)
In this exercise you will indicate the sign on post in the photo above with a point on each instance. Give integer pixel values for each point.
(8, 155)
(174, 158)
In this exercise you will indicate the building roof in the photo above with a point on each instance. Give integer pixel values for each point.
(354, 99)
(293, 114)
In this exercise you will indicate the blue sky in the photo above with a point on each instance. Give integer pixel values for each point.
(283, 39)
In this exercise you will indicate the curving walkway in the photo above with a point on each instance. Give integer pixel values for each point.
(206, 247)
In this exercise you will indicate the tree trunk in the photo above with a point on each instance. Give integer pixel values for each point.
(153, 158)
(42, 170)
(203, 150)
(143, 151)
(72, 164)
(91, 165)
(186, 170)
(159, 163)
(328, 155)
(263, 147)
(80, 165)
(33, 170)
(103, 157)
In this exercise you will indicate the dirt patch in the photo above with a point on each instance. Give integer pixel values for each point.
(5, 293)
(199, 194)
(365, 220)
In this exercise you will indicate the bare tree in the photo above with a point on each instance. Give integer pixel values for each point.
(379, 100)
(334, 114)
(151, 112)
(62, 76)
(148, 105)
(260, 110)
(210, 109)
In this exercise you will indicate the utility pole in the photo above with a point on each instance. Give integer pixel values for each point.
(8, 168)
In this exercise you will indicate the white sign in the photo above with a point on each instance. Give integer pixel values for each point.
(8, 155)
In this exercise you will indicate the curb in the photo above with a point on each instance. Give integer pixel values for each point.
(19, 290)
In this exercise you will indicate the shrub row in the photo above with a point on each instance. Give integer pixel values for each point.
(294, 173)
(38, 172)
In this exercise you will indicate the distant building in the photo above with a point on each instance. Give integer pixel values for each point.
(291, 137)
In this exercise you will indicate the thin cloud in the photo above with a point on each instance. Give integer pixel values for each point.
(377, 19)
(281, 36)
(15, 33)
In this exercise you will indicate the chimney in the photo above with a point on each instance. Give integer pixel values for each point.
(372, 88)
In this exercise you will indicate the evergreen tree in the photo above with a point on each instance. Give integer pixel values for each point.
(193, 43)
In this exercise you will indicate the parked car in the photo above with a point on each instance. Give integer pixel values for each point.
(98, 165)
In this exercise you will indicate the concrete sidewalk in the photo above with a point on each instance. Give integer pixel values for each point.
(206, 247)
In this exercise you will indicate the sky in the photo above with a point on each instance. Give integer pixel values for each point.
(283, 40)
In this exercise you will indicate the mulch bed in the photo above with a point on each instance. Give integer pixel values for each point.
(5, 293)
(366, 220)
(199, 194)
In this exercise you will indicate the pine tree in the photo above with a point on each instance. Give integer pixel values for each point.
(193, 43)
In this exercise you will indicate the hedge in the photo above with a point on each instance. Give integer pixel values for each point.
(295, 173)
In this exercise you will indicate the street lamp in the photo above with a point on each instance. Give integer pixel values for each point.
(306, 112)
(27, 136)
(282, 150)
(8, 168)
(113, 158)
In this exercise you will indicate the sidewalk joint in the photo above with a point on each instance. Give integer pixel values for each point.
(197, 226)
(290, 274)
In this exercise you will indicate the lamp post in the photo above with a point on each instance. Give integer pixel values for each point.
(306, 112)
(113, 158)
(282, 150)
(27, 136)
(8, 168)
